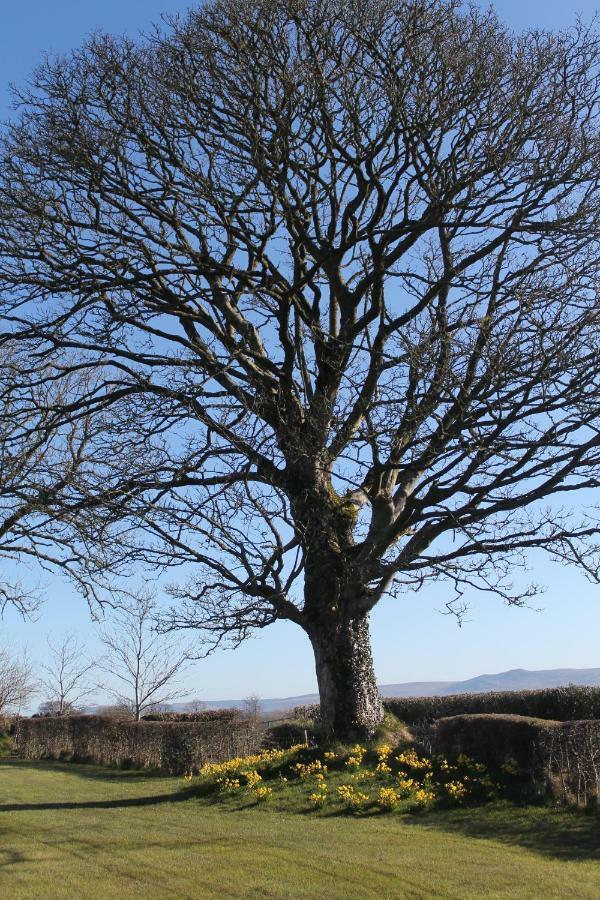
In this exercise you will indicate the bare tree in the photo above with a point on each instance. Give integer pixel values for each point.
(65, 677)
(143, 662)
(251, 705)
(17, 682)
(338, 265)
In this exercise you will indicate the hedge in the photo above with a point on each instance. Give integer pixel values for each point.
(173, 747)
(205, 715)
(558, 758)
(561, 704)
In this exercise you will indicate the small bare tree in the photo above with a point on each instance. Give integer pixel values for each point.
(17, 682)
(251, 705)
(65, 678)
(144, 662)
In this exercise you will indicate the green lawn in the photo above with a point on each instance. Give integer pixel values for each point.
(79, 831)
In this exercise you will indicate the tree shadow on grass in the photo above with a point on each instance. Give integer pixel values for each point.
(10, 857)
(120, 803)
(567, 834)
(113, 776)
(85, 770)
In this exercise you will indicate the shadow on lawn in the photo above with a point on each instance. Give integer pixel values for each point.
(153, 800)
(566, 834)
(84, 770)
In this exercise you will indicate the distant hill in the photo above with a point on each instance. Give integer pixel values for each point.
(513, 680)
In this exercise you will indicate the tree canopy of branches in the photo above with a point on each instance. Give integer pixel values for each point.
(142, 662)
(334, 267)
(40, 453)
(66, 676)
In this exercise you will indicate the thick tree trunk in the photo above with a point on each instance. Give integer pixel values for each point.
(351, 708)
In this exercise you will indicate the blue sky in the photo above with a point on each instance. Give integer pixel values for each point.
(412, 640)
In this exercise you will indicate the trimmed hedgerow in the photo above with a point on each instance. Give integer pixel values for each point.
(561, 704)
(497, 740)
(557, 758)
(206, 715)
(173, 747)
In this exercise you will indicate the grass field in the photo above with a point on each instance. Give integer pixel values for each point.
(80, 831)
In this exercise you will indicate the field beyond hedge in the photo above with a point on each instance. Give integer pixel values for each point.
(82, 831)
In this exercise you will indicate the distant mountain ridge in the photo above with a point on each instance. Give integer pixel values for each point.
(513, 680)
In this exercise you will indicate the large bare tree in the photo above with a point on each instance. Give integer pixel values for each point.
(337, 262)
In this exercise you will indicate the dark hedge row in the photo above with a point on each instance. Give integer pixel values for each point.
(173, 747)
(559, 758)
(563, 704)
(206, 715)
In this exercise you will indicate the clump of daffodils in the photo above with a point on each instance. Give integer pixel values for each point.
(252, 778)
(388, 798)
(384, 752)
(306, 770)
(353, 798)
(241, 763)
(456, 790)
(406, 786)
(319, 795)
(424, 797)
(229, 785)
(357, 755)
(412, 760)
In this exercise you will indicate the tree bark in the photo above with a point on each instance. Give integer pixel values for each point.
(351, 707)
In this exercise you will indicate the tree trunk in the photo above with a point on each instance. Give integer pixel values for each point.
(351, 708)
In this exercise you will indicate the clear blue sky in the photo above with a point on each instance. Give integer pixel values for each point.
(412, 640)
